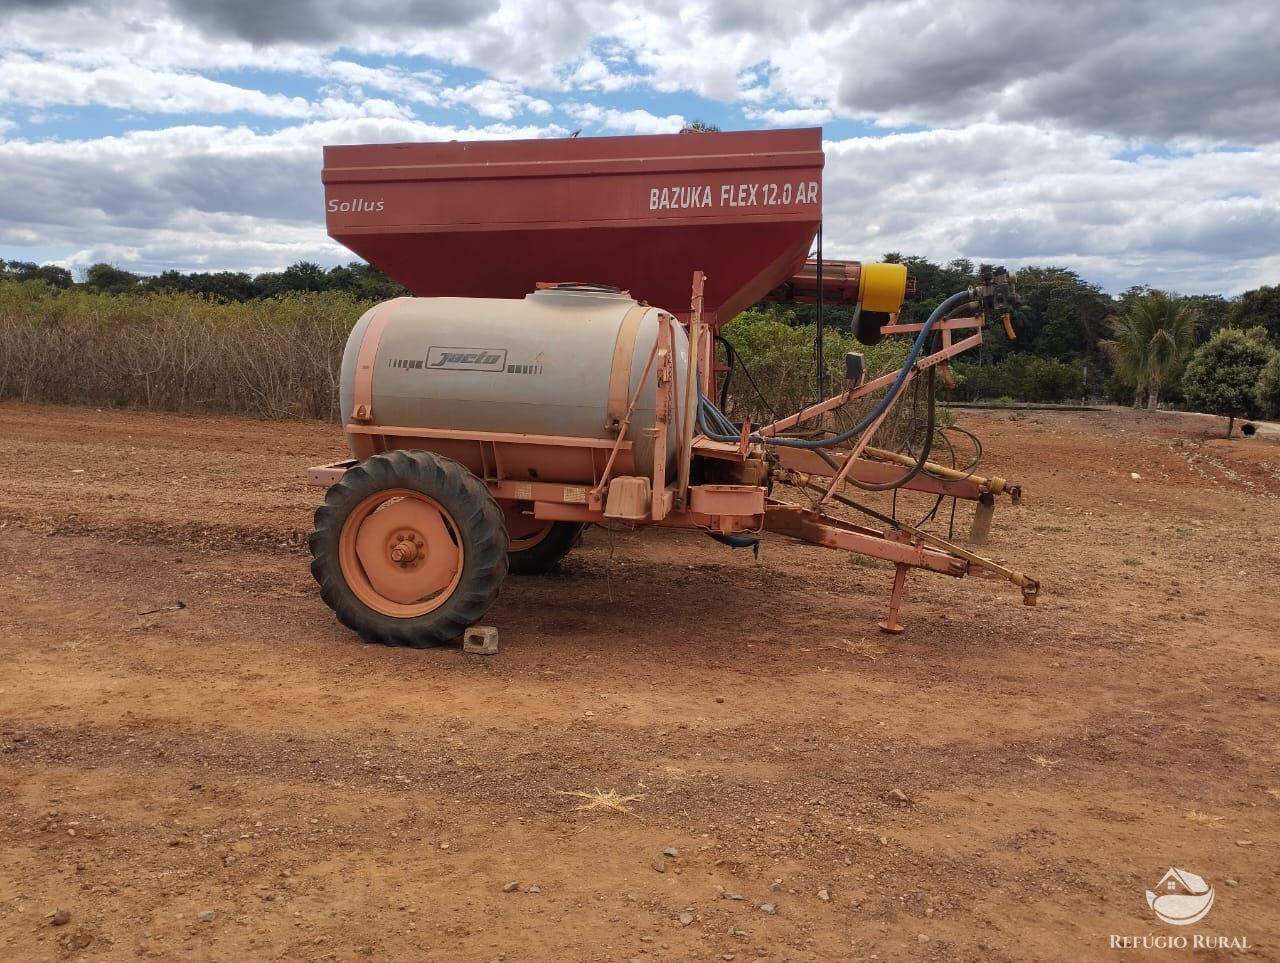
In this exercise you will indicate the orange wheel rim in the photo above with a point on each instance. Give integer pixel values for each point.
(401, 553)
(524, 531)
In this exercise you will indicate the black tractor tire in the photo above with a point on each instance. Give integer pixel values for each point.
(545, 555)
(477, 525)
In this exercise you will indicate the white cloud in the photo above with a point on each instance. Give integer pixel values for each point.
(193, 198)
(592, 73)
(1128, 68)
(29, 82)
(791, 117)
(420, 87)
(1032, 105)
(628, 121)
(1025, 194)
(497, 99)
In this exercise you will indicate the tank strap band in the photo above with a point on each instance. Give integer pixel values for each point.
(620, 374)
(362, 388)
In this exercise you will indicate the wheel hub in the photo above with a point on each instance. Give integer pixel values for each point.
(407, 549)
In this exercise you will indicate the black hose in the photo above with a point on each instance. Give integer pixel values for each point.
(736, 362)
(977, 448)
(728, 375)
(925, 449)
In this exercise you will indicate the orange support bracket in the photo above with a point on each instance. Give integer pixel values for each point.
(691, 392)
(891, 624)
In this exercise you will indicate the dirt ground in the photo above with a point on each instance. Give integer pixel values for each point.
(242, 779)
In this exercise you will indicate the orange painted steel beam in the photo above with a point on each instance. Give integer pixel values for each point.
(809, 526)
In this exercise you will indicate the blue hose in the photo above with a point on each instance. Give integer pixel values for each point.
(737, 541)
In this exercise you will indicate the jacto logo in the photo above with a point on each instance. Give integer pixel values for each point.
(467, 359)
(1181, 898)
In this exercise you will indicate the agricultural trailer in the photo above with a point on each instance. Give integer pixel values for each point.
(557, 367)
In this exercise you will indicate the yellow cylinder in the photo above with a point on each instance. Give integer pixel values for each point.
(883, 287)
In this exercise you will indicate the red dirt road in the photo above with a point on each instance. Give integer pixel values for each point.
(242, 779)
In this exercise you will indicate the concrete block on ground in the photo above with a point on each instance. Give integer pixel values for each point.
(480, 640)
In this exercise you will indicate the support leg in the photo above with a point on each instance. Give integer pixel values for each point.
(983, 512)
(891, 624)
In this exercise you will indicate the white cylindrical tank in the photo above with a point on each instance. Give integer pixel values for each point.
(563, 361)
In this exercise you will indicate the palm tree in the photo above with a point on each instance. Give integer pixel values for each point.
(1148, 340)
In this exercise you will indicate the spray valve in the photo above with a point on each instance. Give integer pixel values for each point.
(997, 295)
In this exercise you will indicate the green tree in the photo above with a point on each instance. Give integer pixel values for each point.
(50, 274)
(1148, 340)
(1222, 376)
(305, 276)
(364, 282)
(1061, 315)
(1260, 306)
(1267, 391)
(107, 279)
(169, 281)
(1213, 311)
(223, 285)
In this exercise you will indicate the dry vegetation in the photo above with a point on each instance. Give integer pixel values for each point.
(174, 352)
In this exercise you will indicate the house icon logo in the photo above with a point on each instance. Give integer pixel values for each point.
(1181, 898)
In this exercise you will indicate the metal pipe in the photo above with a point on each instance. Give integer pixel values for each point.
(996, 486)
(819, 346)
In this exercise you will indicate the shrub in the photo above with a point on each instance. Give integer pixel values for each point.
(1267, 391)
(780, 357)
(1222, 376)
(1022, 376)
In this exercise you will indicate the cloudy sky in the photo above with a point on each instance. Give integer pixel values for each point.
(1134, 141)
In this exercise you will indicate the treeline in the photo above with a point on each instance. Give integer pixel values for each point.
(269, 344)
(356, 279)
(1075, 342)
